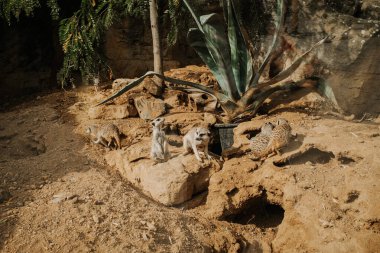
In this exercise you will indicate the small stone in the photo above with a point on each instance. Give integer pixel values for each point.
(58, 198)
(144, 236)
(96, 218)
(151, 226)
(98, 202)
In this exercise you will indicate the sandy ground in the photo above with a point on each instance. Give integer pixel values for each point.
(63, 197)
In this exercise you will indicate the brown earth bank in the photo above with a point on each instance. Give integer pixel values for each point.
(59, 195)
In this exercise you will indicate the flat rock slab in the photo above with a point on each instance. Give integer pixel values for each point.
(112, 112)
(170, 183)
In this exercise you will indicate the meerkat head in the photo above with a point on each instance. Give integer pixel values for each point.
(202, 134)
(267, 128)
(158, 122)
(281, 121)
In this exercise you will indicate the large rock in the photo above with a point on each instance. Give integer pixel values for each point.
(149, 108)
(350, 63)
(170, 183)
(112, 112)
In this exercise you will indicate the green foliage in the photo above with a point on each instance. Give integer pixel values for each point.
(224, 50)
(14, 8)
(81, 34)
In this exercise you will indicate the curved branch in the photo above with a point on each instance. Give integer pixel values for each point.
(222, 98)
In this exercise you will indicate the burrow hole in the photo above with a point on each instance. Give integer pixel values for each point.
(260, 212)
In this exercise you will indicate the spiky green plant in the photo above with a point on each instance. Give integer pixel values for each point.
(224, 50)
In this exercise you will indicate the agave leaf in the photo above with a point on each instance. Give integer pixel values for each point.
(279, 26)
(216, 41)
(197, 41)
(194, 15)
(287, 72)
(241, 60)
(222, 98)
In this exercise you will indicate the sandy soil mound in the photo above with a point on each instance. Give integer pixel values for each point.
(58, 194)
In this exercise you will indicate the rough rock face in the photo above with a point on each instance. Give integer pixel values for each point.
(350, 63)
(112, 112)
(149, 108)
(170, 183)
(313, 196)
(128, 45)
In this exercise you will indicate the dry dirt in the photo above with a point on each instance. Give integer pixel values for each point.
(64, 198)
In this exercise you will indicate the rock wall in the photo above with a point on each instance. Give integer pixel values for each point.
(352, 59)
(128, 47)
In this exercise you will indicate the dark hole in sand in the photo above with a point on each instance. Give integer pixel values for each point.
(260, 212)
(313, 155)
(345, 160)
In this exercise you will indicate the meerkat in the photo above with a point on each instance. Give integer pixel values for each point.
(279, 137)
(197, 138)
(260, 142)
(160, 148)
(105, 135)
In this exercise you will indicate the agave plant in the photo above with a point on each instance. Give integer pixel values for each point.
(223, 48)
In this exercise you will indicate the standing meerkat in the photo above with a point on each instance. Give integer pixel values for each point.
(279, 138)
(197, 138)
(260, 142)
(105, 135)
(160, 148)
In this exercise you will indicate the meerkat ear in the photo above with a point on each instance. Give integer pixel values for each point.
(152, 123)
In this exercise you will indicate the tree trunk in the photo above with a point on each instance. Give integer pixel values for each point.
(157, 53)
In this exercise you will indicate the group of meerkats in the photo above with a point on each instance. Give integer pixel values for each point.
(196, 140)
(269, 141)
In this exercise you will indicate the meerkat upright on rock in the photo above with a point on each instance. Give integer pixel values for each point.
(260, 142)
(197, 139)
(160, 148)
(279, 138)
(105, 135)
